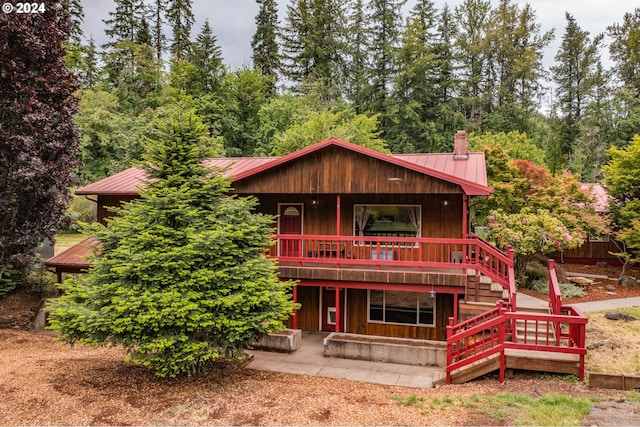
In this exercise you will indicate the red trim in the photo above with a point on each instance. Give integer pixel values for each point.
(468, 187)
(456, 290)
(338, 309)
(338, 215)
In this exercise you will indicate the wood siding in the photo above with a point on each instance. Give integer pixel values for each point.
(438, 220)
(308, 315)
(105, 202)
(595, 251)
(341, 171)
(357, 316)
(357, 319)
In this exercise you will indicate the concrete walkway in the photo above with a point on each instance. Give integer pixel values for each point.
(309, 359)
(609, 304)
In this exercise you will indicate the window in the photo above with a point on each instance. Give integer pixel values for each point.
(406, 308)
(387, 220)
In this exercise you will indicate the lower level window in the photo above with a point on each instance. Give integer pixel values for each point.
(407, 308)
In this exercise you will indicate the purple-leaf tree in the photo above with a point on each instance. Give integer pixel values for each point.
(38, 137)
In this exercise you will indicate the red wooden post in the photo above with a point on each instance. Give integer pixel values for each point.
(465, 220)
(338, 215)
(337, 309)
(455, 306)
(295, 310)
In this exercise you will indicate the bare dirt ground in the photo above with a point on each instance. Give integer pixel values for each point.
(43, 382)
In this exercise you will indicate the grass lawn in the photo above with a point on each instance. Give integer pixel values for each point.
(66, 240)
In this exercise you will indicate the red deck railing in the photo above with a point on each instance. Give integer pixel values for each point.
(561, 331)
(411, 252)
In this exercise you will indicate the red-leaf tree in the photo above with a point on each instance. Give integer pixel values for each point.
(38, 137)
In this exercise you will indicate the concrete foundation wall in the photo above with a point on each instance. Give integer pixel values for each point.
(285, 341)
(384, 349)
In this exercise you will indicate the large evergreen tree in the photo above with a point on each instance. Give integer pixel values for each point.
(181, 278)
(472, 17)
(206, 57)
(357, 56)
(386, 26)
(264, 43)
(38, 137)
(313, 46)
(574, 76)
(180, 18)
(415, 107)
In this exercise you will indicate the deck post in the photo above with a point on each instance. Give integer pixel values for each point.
(337, 309)
(455, 305)
(465, 219)
(338, 215)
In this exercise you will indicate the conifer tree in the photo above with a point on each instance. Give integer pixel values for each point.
(181, 278)
(574, 76)
(206, 57)
(264, 43)
(313, 46)
(357, 58)
(180, 18)
(386, 26)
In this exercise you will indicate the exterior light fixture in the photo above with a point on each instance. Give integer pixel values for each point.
(432, 293)
(394, 179)
(445, 203)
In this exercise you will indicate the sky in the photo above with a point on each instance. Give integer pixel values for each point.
(233, 21)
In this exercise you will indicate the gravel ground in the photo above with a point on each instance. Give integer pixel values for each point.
(46, 383)
(43, 382)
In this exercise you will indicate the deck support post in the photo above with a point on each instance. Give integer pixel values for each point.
(338, 308)
(338, 216)
(465, 218)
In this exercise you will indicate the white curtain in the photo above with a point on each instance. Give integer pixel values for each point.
(362, 216)
(414, 217)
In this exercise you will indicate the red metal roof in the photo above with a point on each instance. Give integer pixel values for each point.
(470, 174)
(76, 256)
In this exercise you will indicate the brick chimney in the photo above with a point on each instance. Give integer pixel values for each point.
(461, 145)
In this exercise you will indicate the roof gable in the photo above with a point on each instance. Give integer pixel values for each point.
(468, 175)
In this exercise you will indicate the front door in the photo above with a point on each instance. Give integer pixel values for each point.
(329, 309)
(290, 223)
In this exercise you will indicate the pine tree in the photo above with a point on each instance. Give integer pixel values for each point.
(181, 279)
(386, 26)
(414, 92)
(38, 137)
(180, 18)
(75, 16)
(264, 43)
(157, 9)
(313, 46)
(357, 86)
(573, 74)
(472, 17)
(514, 67)
(91, 73)
(125, 22)
(206, 57)
(625, 50)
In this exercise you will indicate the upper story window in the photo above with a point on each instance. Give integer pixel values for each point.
(387, 220)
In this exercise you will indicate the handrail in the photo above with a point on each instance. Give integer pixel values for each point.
(569, 329)
(555, 296)
(378, 251)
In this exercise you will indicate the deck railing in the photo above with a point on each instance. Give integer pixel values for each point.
(561, 331)
(380, 252)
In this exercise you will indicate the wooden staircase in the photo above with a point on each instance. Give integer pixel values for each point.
(522, 333)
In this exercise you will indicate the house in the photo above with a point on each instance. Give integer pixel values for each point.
(379, 244)
(597, 248)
